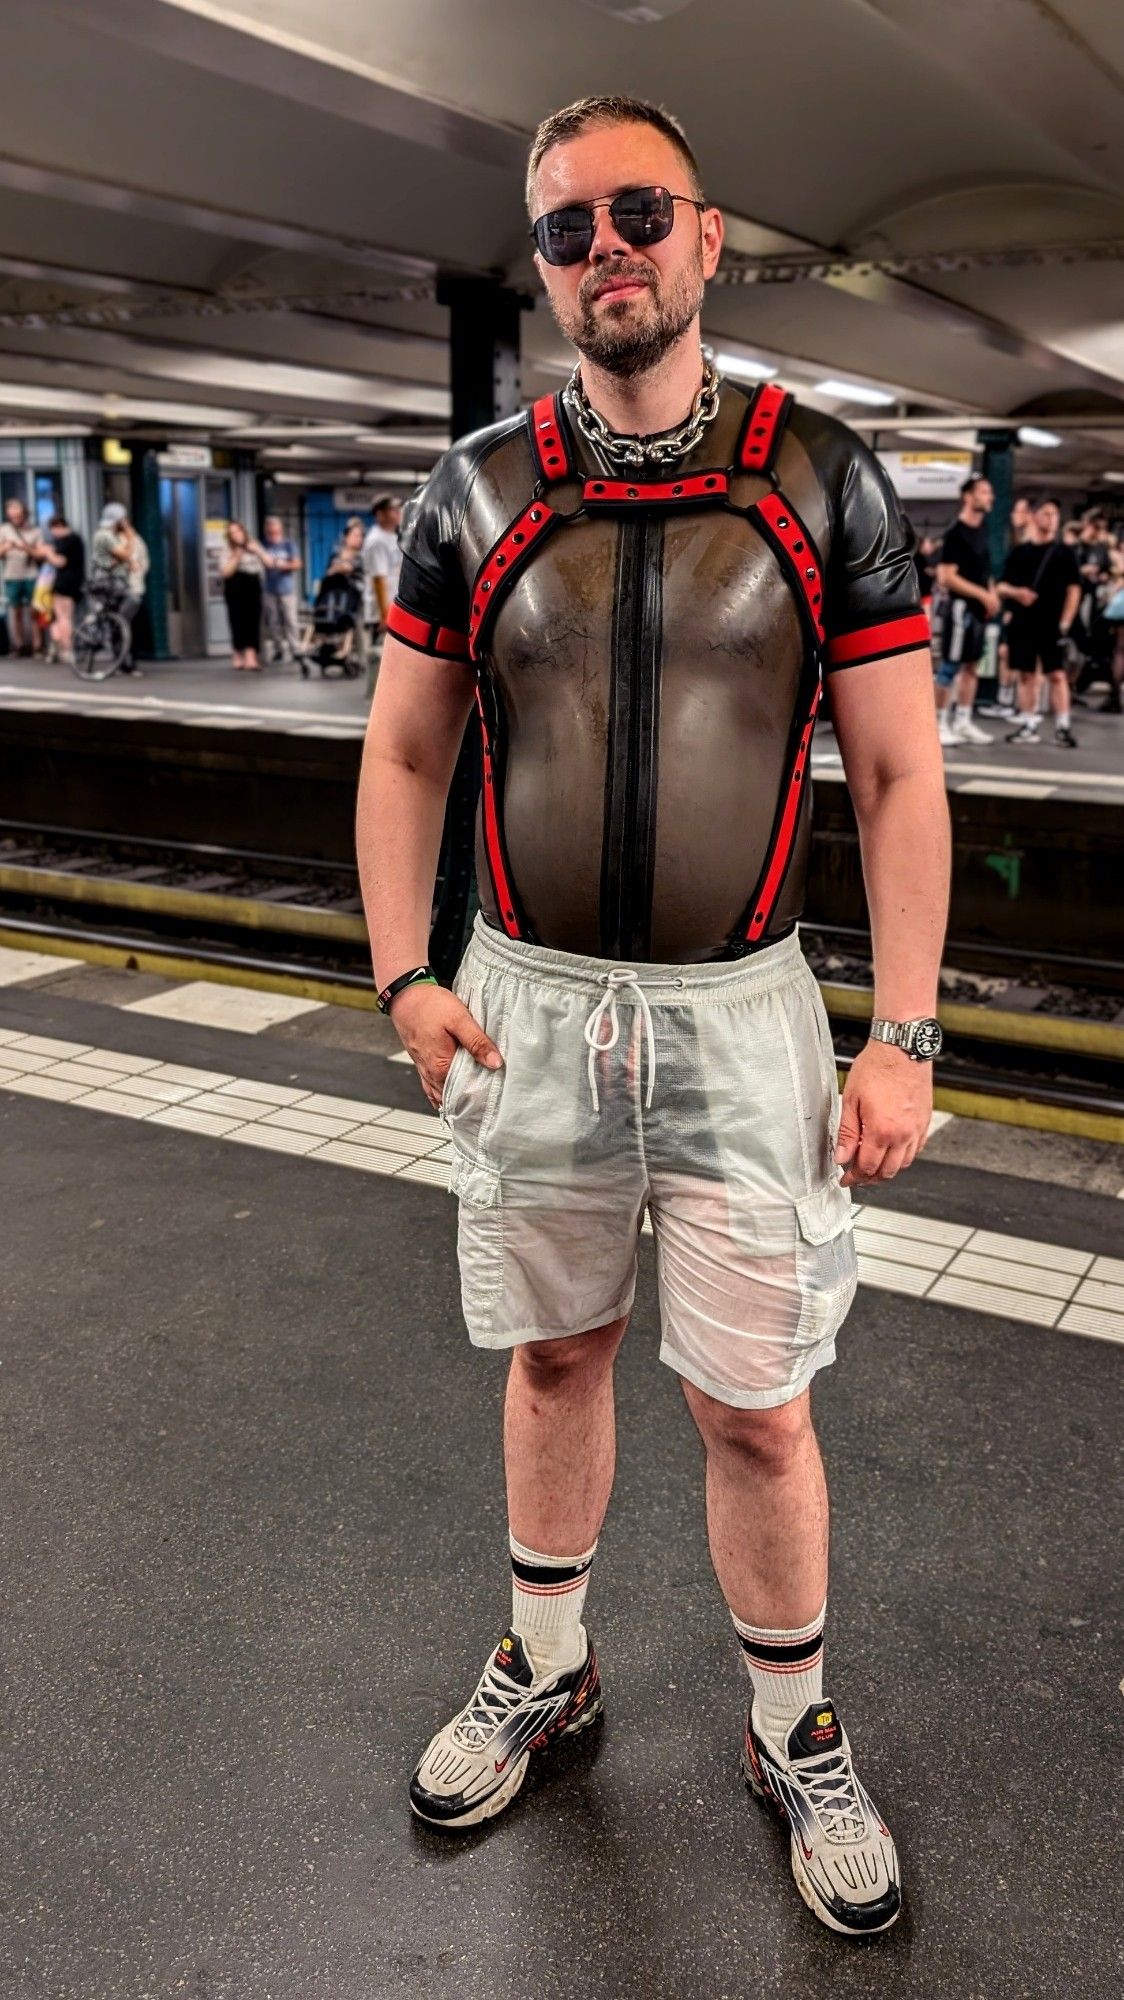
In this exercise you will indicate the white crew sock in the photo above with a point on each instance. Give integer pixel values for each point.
(547, 1601)
(1061, 718)
(786, 1669)
(963, 714)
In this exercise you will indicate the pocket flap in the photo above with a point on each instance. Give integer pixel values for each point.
(825, 1213)
(473, 1182)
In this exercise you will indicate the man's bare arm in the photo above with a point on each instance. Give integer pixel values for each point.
(885, 725)
(417, 724)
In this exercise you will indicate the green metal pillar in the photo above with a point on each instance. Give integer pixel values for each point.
(484, 344)
(150, 629)
(999, 467)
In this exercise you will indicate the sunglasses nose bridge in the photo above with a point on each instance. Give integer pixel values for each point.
(607, 239)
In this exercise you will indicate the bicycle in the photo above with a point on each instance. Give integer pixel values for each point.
(101, 634)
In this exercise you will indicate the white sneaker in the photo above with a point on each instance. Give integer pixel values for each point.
(946, 735)
(475, 1765)
(843, 1857)
(967, 731)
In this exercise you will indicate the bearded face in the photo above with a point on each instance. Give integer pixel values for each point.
(627, 331)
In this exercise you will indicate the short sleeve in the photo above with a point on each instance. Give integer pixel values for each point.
(873, 601)
(430, 610)
(951, 552)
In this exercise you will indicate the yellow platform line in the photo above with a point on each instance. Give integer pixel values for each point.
(1069, 1120)
(195, 905)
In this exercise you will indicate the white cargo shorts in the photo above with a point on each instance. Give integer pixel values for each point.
(704, 1096)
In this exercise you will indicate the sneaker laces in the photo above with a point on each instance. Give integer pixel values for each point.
(828, 1783)
(496, 1697)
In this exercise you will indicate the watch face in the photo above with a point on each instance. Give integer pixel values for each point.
(927, 1038)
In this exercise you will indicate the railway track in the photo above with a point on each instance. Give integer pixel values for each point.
(1055, 1059)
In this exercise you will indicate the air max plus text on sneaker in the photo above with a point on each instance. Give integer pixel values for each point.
(475, 1765)
(844, 1861)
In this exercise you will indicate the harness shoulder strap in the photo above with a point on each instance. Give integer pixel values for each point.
(550, 439)
(763, 427)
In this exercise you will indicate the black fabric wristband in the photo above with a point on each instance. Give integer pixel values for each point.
(422, 975)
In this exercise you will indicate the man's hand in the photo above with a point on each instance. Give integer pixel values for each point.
(991, 603)
(1024, 595)
(432, 1024)
(887, 1105)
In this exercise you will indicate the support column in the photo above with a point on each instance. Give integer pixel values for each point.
(484, 344)
(999, 466)
(150, 627)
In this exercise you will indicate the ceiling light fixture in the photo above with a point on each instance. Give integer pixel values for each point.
(1030, 434)
(853, 392)
(744, 365)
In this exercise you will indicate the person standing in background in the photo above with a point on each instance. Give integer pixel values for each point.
(1042, 583)
(120, 559)
(1020, 529)
(382, 560)
(21, 552)
(243, 568)
(283, 564)
(66, 552)
(964, 576)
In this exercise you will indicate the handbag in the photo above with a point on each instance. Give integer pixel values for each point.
(1114, 609)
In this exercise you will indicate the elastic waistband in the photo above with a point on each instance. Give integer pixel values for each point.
(663, 984)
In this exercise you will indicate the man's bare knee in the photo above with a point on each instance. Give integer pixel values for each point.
(770, 1437)
(572, 1357)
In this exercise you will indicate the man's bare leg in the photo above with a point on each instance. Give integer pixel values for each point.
(560, 1438)
(766, 1508)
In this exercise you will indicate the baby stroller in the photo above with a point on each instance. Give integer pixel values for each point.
(328, 642)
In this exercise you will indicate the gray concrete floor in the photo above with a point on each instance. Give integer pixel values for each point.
(255, 1551)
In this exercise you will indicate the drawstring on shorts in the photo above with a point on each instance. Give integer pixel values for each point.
(614, 982)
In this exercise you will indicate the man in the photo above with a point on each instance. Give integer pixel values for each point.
(1042, 583)
(283, 565)
(1020, 527)
(382, 561)
(964, 576)
(646, 572)
(119, 563)
(22, 551)
(66, 552)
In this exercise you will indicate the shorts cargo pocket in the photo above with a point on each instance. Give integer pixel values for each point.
(479, 1240)
(826, 1262)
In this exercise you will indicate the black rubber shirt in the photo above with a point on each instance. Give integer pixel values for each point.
(643, 681)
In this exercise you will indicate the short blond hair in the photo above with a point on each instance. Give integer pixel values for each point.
(588, 112)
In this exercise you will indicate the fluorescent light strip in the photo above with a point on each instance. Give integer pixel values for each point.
(743, 364)
(1030, 434)
(853, 392)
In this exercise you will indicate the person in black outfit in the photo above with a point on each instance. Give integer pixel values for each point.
(1042, 584)
(964, 576)
(243, 573)
(67, 551)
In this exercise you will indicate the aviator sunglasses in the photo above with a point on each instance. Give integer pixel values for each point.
(640, 216)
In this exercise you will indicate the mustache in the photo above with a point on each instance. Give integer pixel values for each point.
(621, 273)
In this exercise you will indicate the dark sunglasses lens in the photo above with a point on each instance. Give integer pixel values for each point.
(564, 235)
(643, 215)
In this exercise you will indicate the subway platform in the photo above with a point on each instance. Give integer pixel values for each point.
(255, 1551)
(211, 694)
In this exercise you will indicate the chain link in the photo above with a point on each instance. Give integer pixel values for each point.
(628, 454)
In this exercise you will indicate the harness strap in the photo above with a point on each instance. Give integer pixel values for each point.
(507, 907)
(793, 545)
(550, 439)
(762, 428)
(783, 838)
(502, 565)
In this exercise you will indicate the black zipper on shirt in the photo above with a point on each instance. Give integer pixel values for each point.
(629, 843)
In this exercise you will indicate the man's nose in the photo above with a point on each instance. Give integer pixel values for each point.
(607, 239)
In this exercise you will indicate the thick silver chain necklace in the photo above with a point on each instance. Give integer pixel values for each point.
(628, 454)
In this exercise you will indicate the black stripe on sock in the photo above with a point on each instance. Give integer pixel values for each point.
(781, 1656)
(526, 1572)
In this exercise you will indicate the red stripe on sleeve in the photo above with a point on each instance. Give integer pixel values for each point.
(898, 635)
(426, 637)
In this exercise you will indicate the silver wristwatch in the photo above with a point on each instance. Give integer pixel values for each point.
(921, 1040)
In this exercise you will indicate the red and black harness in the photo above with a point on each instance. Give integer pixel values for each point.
(775, 519)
